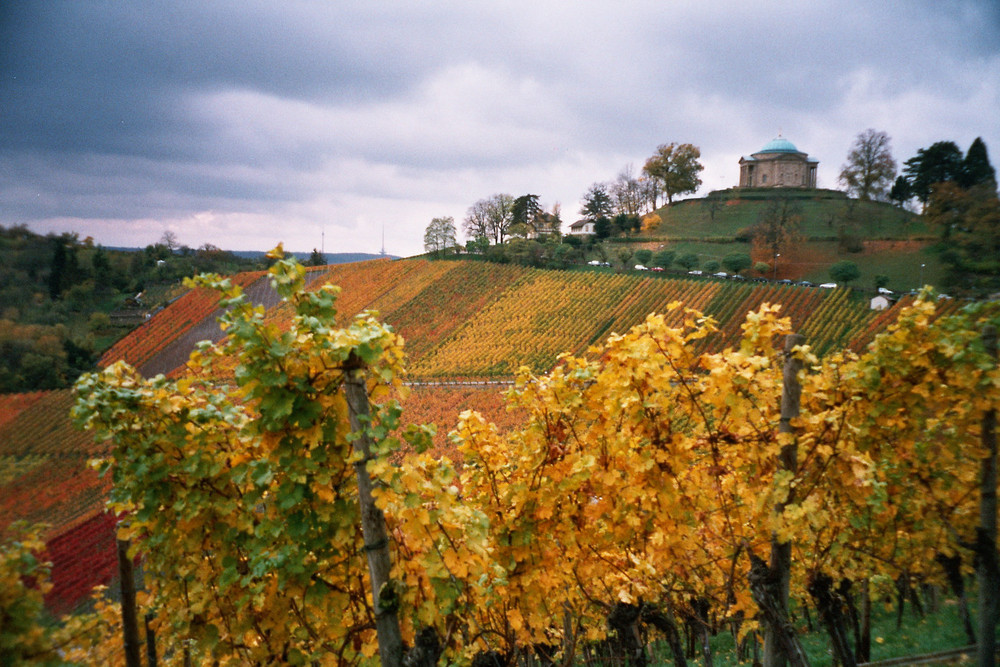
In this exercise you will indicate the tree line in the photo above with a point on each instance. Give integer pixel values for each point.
(671, 171)
(57, 292)
(957, 193)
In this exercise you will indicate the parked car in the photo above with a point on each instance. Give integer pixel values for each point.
(594, 262)
(721, 274)
(736, 276)
(785, 281)
(696, 272)
(805, 283)
(828, 285)
(656, 268)
(882, 290)
(640, 267)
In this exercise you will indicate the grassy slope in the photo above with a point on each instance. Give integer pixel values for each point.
(692, 226)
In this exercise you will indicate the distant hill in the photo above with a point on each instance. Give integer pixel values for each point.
(880, 238)
(331, 257)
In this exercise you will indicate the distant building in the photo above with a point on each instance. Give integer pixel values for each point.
(779, 164)
(582, 227)
(880, 302)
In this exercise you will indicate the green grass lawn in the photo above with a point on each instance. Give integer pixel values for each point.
(709, 226)
(938, 631)
(821, 215)
(902, 267)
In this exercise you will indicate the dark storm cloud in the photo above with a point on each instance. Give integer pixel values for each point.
(296, 115)
(109, 76)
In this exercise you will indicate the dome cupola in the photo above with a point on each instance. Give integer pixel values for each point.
(779, 145)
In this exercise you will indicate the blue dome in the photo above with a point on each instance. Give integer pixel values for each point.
(779, 145)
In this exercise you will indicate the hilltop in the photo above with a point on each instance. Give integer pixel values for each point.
(880, 238)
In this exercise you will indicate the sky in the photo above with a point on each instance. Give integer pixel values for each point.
(335, 125)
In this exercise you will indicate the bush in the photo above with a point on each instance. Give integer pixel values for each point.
(688, 260)
(664, 258)
(845, 271)
(737, 261)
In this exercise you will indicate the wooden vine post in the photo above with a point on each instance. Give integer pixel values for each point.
(779, 647)
(130, 620)
(385, 600)
(987, 570)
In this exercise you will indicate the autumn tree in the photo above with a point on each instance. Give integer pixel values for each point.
(651, 222)
(675, 168)
(24, 580)
(968, 222)
(870, 167)
(243, 500)
(440, 236)
(778, 226)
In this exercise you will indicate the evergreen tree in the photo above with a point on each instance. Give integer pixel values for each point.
(316, 258)
(58, 273)
(597, 203)
(976, 168)
(900, 192)
(941, 163)
(526, 212)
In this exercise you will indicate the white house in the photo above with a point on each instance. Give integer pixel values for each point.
(880, 302)
(582, 227)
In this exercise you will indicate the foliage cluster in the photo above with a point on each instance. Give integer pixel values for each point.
(959, 194)
(642, 477)
(57, 292)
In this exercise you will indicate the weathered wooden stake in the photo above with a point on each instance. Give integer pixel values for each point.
(151, 659)
(385, 599)
(130, 621)
(781, 552)
(987, 572)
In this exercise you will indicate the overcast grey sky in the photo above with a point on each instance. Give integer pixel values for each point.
(242, 124)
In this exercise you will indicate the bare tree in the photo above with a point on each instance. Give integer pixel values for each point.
(490, 218)
(169, 239)
(870, 167)
(627, 193)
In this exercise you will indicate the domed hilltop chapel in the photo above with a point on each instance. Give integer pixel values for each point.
(779, 164)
